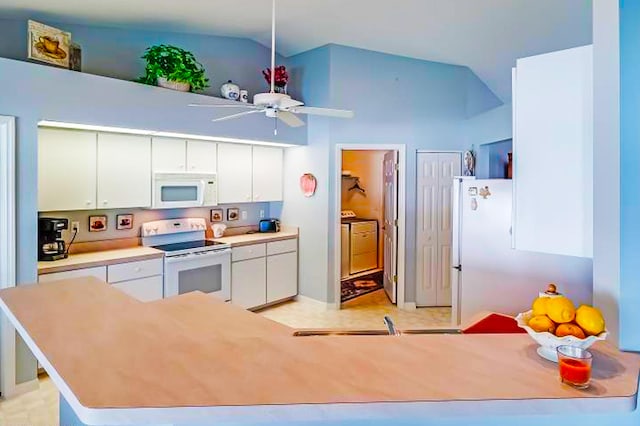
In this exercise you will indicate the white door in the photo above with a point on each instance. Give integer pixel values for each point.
(449, 165)
(234, 173)
(66, 170)
(168, 155)
(390, 228)
(124, 171)
(249, 282)
(427, 230)
(282, 276)
(267, 173)
(202, 156)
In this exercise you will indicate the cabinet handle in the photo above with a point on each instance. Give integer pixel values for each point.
(181, 166)
(137, 269)
(88, 203)
(105, 202)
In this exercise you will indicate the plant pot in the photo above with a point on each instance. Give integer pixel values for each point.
(281, 89)
(173, 85)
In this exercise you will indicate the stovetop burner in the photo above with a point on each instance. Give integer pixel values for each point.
(188, 245)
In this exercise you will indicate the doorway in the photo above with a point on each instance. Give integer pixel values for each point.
(7, 251)
(369, 218)
(435, 227)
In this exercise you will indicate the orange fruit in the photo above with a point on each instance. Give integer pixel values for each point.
(570, 329)
(542, 323)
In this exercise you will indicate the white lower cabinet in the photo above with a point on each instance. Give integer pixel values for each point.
(99, 272)
(143, 289)
(282, 276)
(263, 274)
(249, 282)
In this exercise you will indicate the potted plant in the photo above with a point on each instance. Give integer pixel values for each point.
(173, 68)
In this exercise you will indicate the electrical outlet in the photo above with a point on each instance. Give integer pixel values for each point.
(244, 215)
(261, 214)
(75, 226)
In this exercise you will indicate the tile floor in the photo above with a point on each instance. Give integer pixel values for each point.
(40, 408)
(364, 312)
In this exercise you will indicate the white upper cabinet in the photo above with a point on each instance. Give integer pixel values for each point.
(66, 169)
(553, 153)
(124, 171)
(202, 157)
(168, 155)
(267, 173)
(234, 173)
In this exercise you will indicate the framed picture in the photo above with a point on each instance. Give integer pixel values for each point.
(97, 223)
(48, 44)
(233, 214)
(217, 215)
(124, 221)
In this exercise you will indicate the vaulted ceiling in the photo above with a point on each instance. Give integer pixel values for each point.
(485, 35)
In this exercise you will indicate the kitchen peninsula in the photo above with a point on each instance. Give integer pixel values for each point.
(191, 359)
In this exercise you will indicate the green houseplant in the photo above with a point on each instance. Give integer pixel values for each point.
(173, 68)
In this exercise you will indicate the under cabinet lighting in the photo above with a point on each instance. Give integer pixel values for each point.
(124, 130)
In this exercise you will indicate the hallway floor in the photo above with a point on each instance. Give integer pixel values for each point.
(364, 312)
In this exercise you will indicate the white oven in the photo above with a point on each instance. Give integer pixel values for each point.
(205, 271)
(180, 190)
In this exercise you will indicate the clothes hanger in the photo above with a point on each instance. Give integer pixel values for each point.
(356, 186)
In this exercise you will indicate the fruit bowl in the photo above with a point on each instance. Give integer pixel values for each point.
(549, 342)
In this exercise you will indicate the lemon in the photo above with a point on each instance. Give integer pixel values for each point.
(590, 319)
(539, 306)
(570, 329)
(542, 323)
(561, 309)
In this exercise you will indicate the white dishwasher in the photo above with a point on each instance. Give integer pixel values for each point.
(363, 243)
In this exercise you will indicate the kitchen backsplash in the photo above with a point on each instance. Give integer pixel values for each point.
(140, 216)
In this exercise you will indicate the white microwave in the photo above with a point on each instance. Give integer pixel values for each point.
(181, 190)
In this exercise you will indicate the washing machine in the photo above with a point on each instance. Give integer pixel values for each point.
(362, 237)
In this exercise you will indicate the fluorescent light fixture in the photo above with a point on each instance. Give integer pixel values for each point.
(96, 128)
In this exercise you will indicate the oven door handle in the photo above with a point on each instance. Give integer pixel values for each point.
(193, 256)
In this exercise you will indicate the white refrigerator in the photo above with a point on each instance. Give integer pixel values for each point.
(488, 274)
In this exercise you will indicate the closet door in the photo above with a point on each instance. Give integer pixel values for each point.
(234, 173)
(428, 212)
(202, 157)
(449, 165)
(124, 171)
(66, 170)
(168, 155)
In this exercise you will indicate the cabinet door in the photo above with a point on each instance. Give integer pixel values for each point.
(282, 276)
(124, 171)
(168, 155)
(99, 272)
(249, 283)
(66, 170)
(143, 289)
(234, 173)
(202, 156)
(553, 153)
(267, 173)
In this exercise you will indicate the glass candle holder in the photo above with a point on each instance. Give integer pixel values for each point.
(575, 366)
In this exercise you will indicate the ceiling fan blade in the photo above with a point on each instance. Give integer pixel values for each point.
(287, 102)
(240, 105)
(338, 113)
(232, 116)
(290, 119)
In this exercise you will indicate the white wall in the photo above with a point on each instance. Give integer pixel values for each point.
(606, 154)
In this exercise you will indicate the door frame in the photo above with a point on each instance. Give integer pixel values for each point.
(455, 305)
(336, 220)
(7, 249)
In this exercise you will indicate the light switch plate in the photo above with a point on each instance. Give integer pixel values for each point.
(244, 215)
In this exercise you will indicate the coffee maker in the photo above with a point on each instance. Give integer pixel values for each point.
(51, 246)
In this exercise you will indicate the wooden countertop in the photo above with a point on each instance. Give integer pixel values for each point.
(98, 258)
(248, 239)
(191, 355)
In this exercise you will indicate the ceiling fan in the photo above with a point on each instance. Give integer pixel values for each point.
(278, 106)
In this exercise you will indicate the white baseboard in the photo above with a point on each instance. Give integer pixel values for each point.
(409, 306)
(310, 300)
(22, 388)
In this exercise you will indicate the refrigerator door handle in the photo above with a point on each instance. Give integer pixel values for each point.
(459, 268)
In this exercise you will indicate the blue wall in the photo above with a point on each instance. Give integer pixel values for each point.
(492, 159)
(629, 174)
(397, 100)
